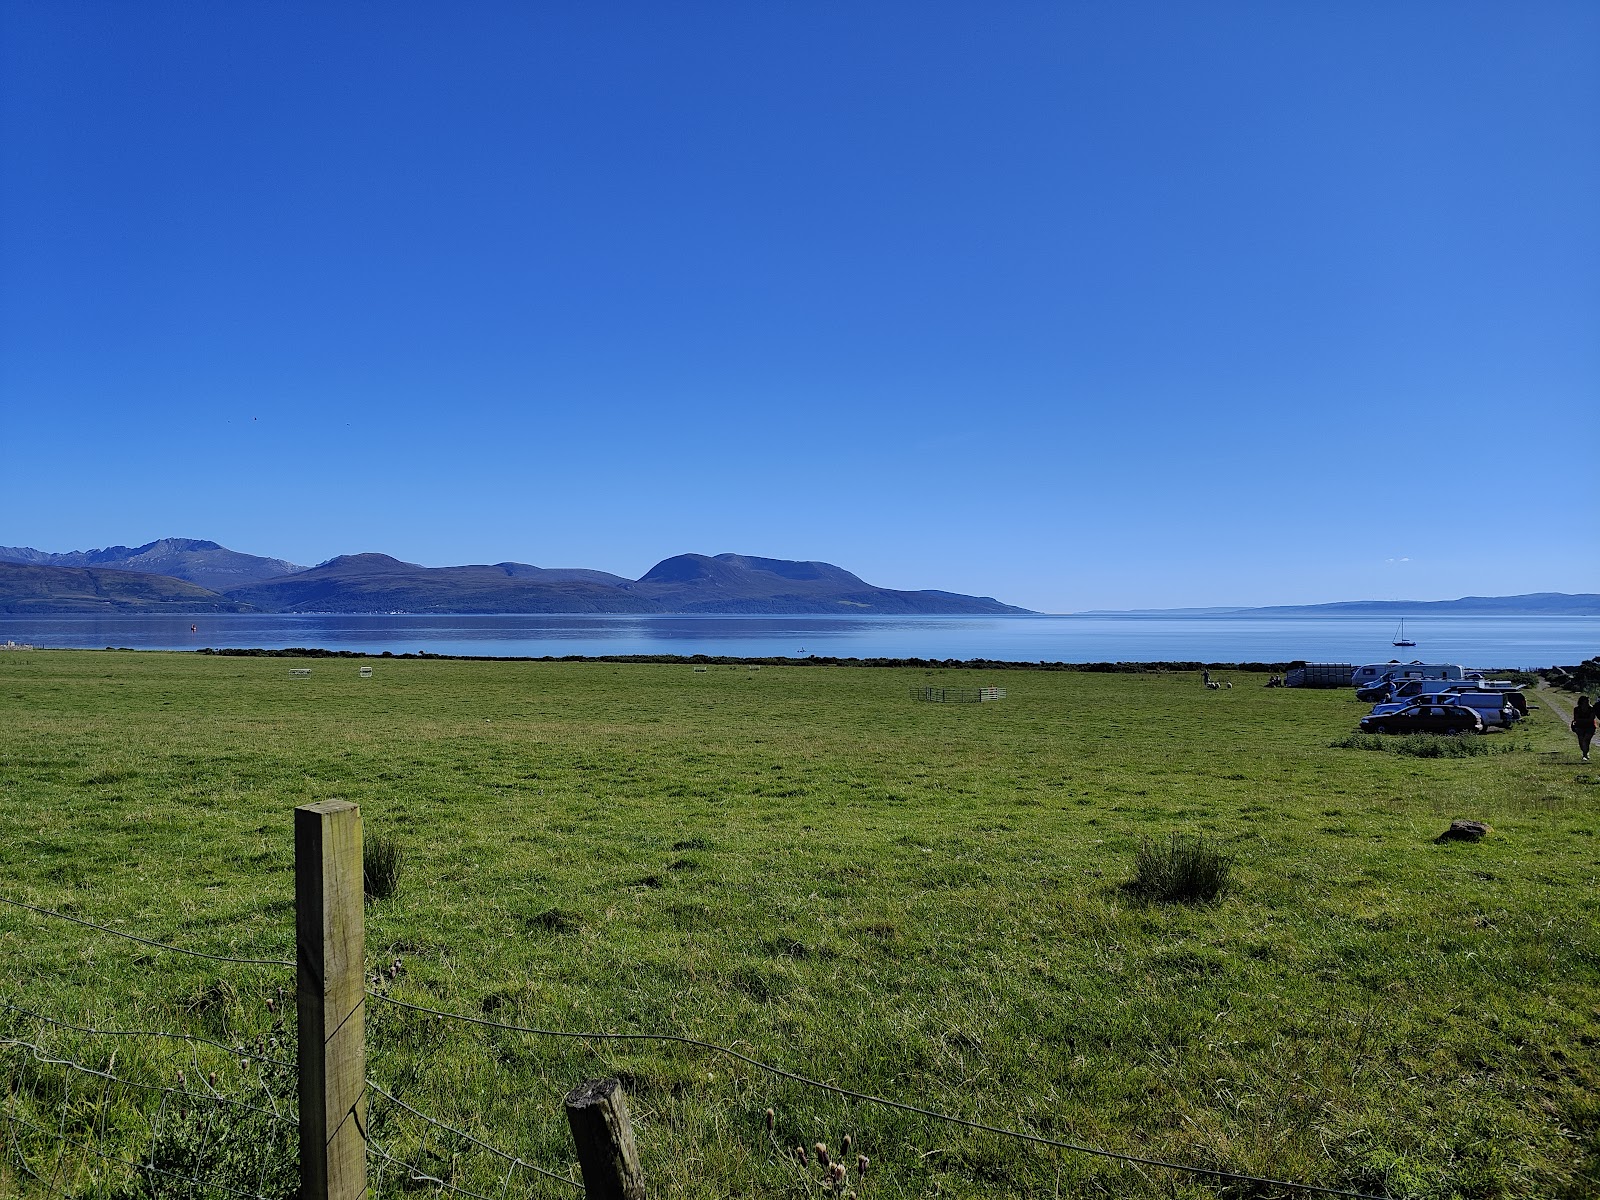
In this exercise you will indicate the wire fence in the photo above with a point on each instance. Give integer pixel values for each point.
(224, 1120)
(171, 1114)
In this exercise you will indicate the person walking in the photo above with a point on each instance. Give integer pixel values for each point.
(1583, 724)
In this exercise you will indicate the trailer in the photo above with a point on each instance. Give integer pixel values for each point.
(1320, 675)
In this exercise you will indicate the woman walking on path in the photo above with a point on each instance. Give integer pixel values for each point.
(1583, 723)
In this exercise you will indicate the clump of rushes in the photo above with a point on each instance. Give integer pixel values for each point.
(381, 860)
(1181, 871)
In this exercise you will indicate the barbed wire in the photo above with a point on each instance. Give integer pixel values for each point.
(867, 1097)
(133, 937)
(240, 1051)
(512, 1159)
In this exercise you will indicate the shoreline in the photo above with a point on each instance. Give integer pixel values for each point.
(1121, 667)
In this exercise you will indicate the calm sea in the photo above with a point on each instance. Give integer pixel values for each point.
(1497, 641)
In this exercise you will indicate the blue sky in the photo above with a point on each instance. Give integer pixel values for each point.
(1082, 305)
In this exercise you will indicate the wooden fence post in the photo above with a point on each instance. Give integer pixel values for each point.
(330, 997)
(597, 1112)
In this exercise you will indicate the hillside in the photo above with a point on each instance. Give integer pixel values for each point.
(27, 588)
(213, 567)
(738, 583)
(364, 583)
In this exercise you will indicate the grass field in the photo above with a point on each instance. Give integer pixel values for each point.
(921, 901)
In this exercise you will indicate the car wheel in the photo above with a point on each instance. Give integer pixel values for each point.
(1382, 727)
(1452, 731)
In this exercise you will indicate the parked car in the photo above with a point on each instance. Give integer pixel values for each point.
(1493, 708)
(1425, 716)
(1424, 687)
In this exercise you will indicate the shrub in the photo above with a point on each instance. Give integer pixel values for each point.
(1432, 745)
(381, 860)
(1424, 745)
(1360, 741)
(1184, 870)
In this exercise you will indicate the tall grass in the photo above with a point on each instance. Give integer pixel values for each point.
(1184, 870)
(381, 861)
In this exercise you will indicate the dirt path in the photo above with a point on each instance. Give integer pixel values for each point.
(1558, 707)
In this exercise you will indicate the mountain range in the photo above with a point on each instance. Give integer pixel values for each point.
(186, 575)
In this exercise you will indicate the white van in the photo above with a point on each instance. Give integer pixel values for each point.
(1373, 672)
(1427, 687)
(1494, 707)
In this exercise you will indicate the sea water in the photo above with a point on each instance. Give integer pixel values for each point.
(1473, 640)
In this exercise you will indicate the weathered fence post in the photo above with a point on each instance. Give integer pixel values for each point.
(330, 996)
(597, 1111)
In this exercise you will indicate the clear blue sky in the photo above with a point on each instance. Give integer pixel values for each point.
(1078, 304)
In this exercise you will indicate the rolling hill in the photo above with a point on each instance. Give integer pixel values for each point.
(738, 583)
(378, 583)
(29, 588)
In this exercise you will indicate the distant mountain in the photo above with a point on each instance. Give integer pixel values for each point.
(211, 566)
(739, 583)
(30, 588)
(378, 583)
(364, 583)
(1550, 604)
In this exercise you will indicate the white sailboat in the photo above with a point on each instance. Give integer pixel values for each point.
(1400, 638)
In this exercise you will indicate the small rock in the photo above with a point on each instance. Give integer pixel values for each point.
(1463, 831)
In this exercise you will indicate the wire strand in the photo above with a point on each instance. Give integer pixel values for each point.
(1212, 1172)
(416, 1174)
(42, 1055)
(133, 937)
(498, 1153)
(233, 1051)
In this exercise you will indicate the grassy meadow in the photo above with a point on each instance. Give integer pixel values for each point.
(921, 901)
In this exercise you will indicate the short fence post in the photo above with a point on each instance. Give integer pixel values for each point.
(597, 1112)
(330, 997)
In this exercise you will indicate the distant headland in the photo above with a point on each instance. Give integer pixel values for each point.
(1530, 604)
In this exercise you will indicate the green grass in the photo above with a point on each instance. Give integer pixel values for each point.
(922, 901)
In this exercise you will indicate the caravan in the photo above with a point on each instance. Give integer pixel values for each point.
(1373, 672)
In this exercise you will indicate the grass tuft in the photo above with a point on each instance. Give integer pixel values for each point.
(381, 861)
(1183, 871)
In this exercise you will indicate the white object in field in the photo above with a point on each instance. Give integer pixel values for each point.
(299, 672)
(366, 672)
(699, 668)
